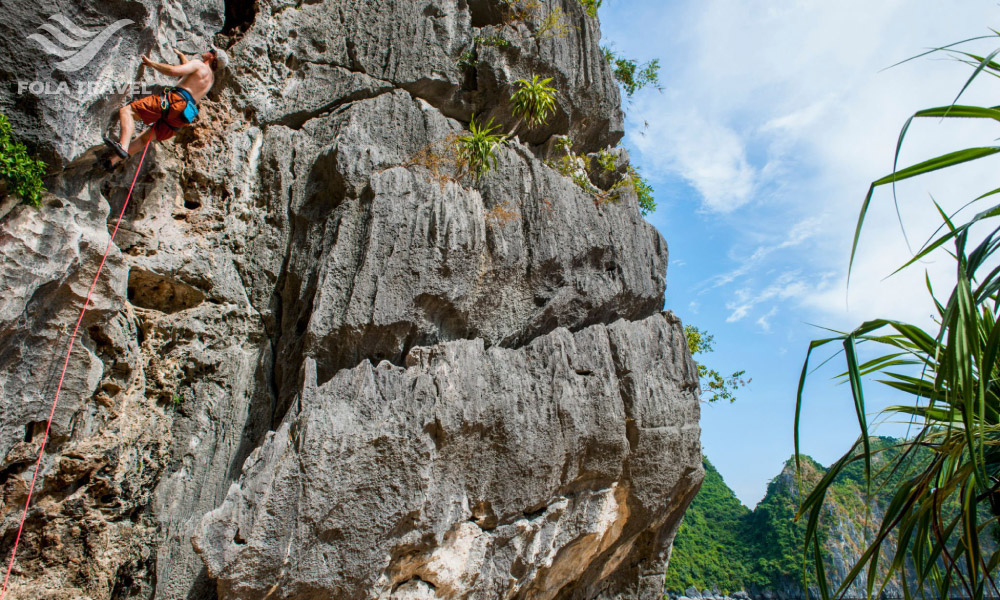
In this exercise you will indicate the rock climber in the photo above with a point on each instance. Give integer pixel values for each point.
(176, 107)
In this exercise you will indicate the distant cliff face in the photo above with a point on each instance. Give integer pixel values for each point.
(315, 367)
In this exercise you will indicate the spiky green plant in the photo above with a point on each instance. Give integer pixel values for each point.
(534, 100)
(22, 173)
(941, 508)
(477, 151)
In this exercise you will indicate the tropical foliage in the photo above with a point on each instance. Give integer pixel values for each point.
(477, 151)
(644, 193)
(714, 385)
(944, 507)
(534, 100)
(630, 74)
(22, 173)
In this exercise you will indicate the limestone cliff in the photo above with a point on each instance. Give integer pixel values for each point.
(315, 365)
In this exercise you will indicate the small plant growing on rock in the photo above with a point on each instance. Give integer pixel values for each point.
(564, 143)
(477, 150)
(22, 174)
(634, 181)
(607, 161)
(495, 39)
(501, 214)
(534, 100)
(714, 385)
(630, 74)
(590, 6)
(554, 25)
(575, 167)
(440, 158)
(468, 60)
(520, 10)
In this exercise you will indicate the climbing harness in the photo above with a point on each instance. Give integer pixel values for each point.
(186, 115)
(72, 339)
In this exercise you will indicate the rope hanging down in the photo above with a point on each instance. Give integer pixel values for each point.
(72, 339)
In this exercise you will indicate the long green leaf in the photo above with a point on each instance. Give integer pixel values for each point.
(978, 70)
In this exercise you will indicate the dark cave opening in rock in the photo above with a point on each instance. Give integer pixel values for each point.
(240, 15)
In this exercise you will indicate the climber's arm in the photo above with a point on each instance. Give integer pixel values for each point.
(171, 70)
(180, 56)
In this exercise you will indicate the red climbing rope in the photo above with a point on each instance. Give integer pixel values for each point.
(72, 339)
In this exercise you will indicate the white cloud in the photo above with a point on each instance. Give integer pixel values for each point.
(799, 233)
(786, 286)
(708, 155)
(779, 120)
(798, 120)
(765, 320)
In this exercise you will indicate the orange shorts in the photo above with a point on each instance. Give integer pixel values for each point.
(149, 111)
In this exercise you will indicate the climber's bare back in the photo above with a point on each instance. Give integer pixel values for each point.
(199, 81)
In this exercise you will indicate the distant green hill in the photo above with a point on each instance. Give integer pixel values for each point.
(709, 548)
(723, 544)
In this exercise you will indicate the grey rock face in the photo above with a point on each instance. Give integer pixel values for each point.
(386, 257)
(476, 472)
(303, 231)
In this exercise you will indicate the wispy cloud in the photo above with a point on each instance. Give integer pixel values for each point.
(765, 320)
(785, 286)
(708, 155)
(799, 233)
(780, 127)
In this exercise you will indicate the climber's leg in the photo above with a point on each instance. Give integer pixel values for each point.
(148, 109)
(139, 142)
(127, 117)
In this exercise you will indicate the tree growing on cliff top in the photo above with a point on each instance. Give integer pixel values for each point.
(953, 376)
(714, 385)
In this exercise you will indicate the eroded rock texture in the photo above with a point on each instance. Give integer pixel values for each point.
(317, 365)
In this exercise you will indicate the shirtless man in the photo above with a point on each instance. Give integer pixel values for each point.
(175, 108)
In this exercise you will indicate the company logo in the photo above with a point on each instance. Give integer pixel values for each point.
(76, 46)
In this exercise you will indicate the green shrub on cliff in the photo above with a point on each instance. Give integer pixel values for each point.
(714, 385)
(630, 74)
(644, 193)
(22, 174)
(590, 6)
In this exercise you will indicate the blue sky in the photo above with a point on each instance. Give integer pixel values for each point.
(773, 119)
